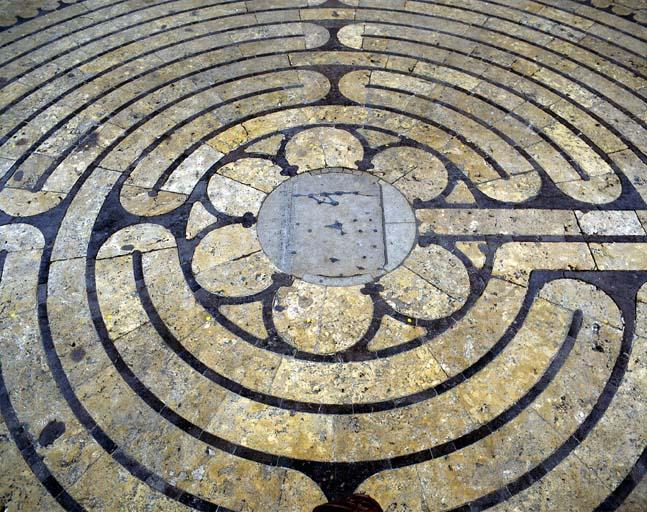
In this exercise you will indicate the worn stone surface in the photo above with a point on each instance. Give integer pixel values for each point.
(334, 228)
(257, 255)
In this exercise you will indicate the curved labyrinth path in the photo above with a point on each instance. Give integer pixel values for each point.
(257, 255)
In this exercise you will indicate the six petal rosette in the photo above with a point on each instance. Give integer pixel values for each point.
(340, 239)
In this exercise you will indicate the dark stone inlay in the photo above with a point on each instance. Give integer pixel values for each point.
(51, 432)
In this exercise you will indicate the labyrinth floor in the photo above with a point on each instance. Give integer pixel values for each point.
(256, 255)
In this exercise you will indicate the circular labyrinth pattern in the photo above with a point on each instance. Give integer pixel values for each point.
(257, 255)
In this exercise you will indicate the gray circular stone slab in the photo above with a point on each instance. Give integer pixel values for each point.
(336, 227)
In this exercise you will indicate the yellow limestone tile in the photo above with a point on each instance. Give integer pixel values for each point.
(392, 332)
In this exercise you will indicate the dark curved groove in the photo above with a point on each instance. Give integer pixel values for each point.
(40, 12)
(135, 126)
(518, 38)
(559, 8)
(546, 138)
(630, 145)
(537, 131)
(60, 158)
(507, 50)
(522, 204)
(375, 465)
(502, 135)
(310, 468)
(628, 484)
(25, 36)
(132, 78)
(312, 407)
(472, 145)
(108, 34)
(274, 343)
(169, 170)
(558, 23)
(136, 57)
(318, 471)
(477, 149)
(604, 400)
(35, 462)
(83, 416)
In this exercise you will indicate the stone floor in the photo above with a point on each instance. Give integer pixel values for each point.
(259, 254)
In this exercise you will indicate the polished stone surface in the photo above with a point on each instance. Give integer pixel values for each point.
(257, 255)
(336, 227)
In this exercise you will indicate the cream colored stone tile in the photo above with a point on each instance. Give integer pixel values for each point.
(324, 147)
(393, 333)
(255, 172)
(236, 278)
(412, 295)
(184, 178)
(232, 197)
(224, 244)
(458, 221)
(612, 223)
(460, 194)
(149, 202)
(321, 319)
(268, 146)
(515, 261)
(246, 316)
(121, 308)
(199, 219)
(416, 173)
(620, 256)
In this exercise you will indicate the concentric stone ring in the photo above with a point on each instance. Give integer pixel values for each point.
(256, 256)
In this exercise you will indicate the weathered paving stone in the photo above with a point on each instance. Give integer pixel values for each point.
(333, 227)
(260, 255)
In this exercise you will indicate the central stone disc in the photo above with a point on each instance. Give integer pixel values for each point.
(336, 227)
